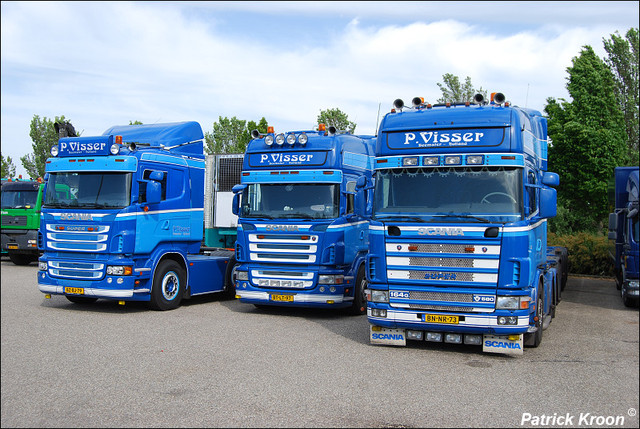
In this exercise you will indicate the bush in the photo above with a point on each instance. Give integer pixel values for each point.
(588, 252)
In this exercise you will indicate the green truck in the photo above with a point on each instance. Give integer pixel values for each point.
(21, 202)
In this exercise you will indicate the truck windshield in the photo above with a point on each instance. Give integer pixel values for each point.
(88, 190)
(290, 201)
(19, 199)
(481, 194)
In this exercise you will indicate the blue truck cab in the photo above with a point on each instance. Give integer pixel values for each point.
(299, 241)
(122, 217)
(458, 233)
(624, 232)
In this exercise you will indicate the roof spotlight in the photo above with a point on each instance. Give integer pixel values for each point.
(291, 139)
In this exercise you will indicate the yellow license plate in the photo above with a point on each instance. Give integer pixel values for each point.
(285, 298)
(12, 246)
(74, 290)
(441, 318)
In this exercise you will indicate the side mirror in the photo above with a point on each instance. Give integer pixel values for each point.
(235, 205)
(613, 221)
(154, 192)
(550, 179)
(548, 202)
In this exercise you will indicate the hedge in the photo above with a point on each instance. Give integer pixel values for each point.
(588, 253)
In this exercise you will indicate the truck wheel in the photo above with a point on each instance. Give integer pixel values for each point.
(627, 300)
(359, 305)
(168, 286)
(534, 340)
(81, 299)
(230, 279)
(19, 259)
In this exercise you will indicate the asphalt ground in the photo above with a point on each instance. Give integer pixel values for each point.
(220, 363)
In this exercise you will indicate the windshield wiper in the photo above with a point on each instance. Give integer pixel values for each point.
(464, 216)
(401, 218)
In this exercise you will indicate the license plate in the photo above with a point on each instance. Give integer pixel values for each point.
(441, 318)
(12, 246)
(74, 290)
(283, 298)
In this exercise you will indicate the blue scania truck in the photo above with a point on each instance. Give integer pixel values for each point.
(122, 218)
(458, 232)
(299, 240)
(624, 232)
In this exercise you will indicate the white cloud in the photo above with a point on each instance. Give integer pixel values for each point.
(102, 64)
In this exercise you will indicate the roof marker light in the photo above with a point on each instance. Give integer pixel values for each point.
(430, 160)
(410, 161)
(475, 159)
(453, 160)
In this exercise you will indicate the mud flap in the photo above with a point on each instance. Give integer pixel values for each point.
(387, 336)
(502, 345)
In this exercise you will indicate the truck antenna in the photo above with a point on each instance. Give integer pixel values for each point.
(526, 99)
(378, 118)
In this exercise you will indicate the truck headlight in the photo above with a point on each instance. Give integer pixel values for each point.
(512, 302)
(42, 266)
(119, 270)
(330, 279)
(242, 275)
(379, 295)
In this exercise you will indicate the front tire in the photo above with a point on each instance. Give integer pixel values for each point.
(533, 340)
(19, 259)
(359, 305)
(229, 291)
(168, 286)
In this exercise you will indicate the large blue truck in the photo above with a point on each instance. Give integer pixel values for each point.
(299, 241)
(122, 218)
(624, 232)
(458, 232)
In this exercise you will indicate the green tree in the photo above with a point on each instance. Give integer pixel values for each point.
(455, 92)
(622, 59)
(231, 135)
(338, 119)
(8, 168)
(588, 141)
(44, 136)
(136, 122)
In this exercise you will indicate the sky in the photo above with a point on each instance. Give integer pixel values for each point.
(108, 63)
